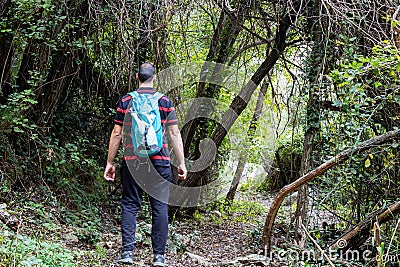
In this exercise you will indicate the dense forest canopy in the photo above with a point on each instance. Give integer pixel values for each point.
(266, 91)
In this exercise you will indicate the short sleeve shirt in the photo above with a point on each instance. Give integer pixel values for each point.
(168, 117)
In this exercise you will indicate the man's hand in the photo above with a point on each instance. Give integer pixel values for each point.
(109, 172)
(177, 146)
(115, 140)
(182, 172)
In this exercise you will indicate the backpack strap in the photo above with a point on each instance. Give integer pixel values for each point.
(155, 97)
(134, 95)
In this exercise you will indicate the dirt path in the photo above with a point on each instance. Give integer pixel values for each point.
(212, 239)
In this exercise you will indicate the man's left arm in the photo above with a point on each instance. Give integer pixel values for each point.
(177, 146)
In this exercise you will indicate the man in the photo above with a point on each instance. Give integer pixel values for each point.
(152, 175)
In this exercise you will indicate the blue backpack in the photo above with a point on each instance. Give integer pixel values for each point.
(146, 131)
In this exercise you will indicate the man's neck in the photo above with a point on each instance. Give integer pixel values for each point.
(146, 85)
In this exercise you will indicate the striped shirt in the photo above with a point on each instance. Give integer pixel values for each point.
(123, 118)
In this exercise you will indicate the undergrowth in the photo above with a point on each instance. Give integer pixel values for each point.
(44, 231)
(231, 211)
(20, 250)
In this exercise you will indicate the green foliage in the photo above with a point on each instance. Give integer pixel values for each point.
(70, 162)
(365, 104)
(19, 250)
(286, 162)
(13, 117)
(41, 240)
(235, 211)
(255, 236)
(177, 241)
(64, 159)
(193, 46)
(367, 82)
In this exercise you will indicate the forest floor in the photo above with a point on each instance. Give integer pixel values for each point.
(40, 234)
(213, 236)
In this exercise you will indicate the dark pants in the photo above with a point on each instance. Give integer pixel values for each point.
(153, 180)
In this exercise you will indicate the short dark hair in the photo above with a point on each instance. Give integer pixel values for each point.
(146, 72)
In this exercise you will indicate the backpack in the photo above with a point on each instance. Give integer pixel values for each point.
(146, 131)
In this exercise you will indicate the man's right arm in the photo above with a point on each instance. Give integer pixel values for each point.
(115, 141)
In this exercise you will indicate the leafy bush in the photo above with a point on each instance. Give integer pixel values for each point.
(18, 250)
(286, 165)
(236, 211)
(13, 113)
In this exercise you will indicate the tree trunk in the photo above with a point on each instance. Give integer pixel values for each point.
(344, 155)
(308, 145)
(3, 6)
(240, 102)
(55, 90)
(222, 42)
(250, 135)
(317, 65)
(64, 68)
(161, 60)
(356, 236)
(236, 178)
(6, 52)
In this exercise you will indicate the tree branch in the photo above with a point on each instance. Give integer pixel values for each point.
(344, 155)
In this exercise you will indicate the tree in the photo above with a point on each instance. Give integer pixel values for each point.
(221, 47)
(250, 135)
(274, 52)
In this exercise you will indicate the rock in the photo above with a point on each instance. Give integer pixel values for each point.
(109, 244)
(216, 212)
(253, 258)
(199, 259)
(138, 237)
(8, 219)
(148, 226)
(70, 238)
(106, 245)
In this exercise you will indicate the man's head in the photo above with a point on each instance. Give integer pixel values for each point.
(146, 73)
